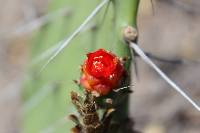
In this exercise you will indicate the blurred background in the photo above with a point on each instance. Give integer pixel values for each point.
(38, 104)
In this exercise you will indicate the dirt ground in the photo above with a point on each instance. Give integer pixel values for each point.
(171, 33)
(13, 57)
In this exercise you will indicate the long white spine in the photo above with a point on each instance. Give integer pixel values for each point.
(147, 60)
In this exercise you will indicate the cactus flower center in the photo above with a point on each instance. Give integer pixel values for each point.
(102, 72)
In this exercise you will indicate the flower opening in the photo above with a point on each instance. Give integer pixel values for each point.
(101, 72)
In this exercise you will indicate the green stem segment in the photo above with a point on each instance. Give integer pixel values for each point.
(126, 14)
(52, 106)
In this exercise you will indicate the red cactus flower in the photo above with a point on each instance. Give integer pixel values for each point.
(102, 72)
